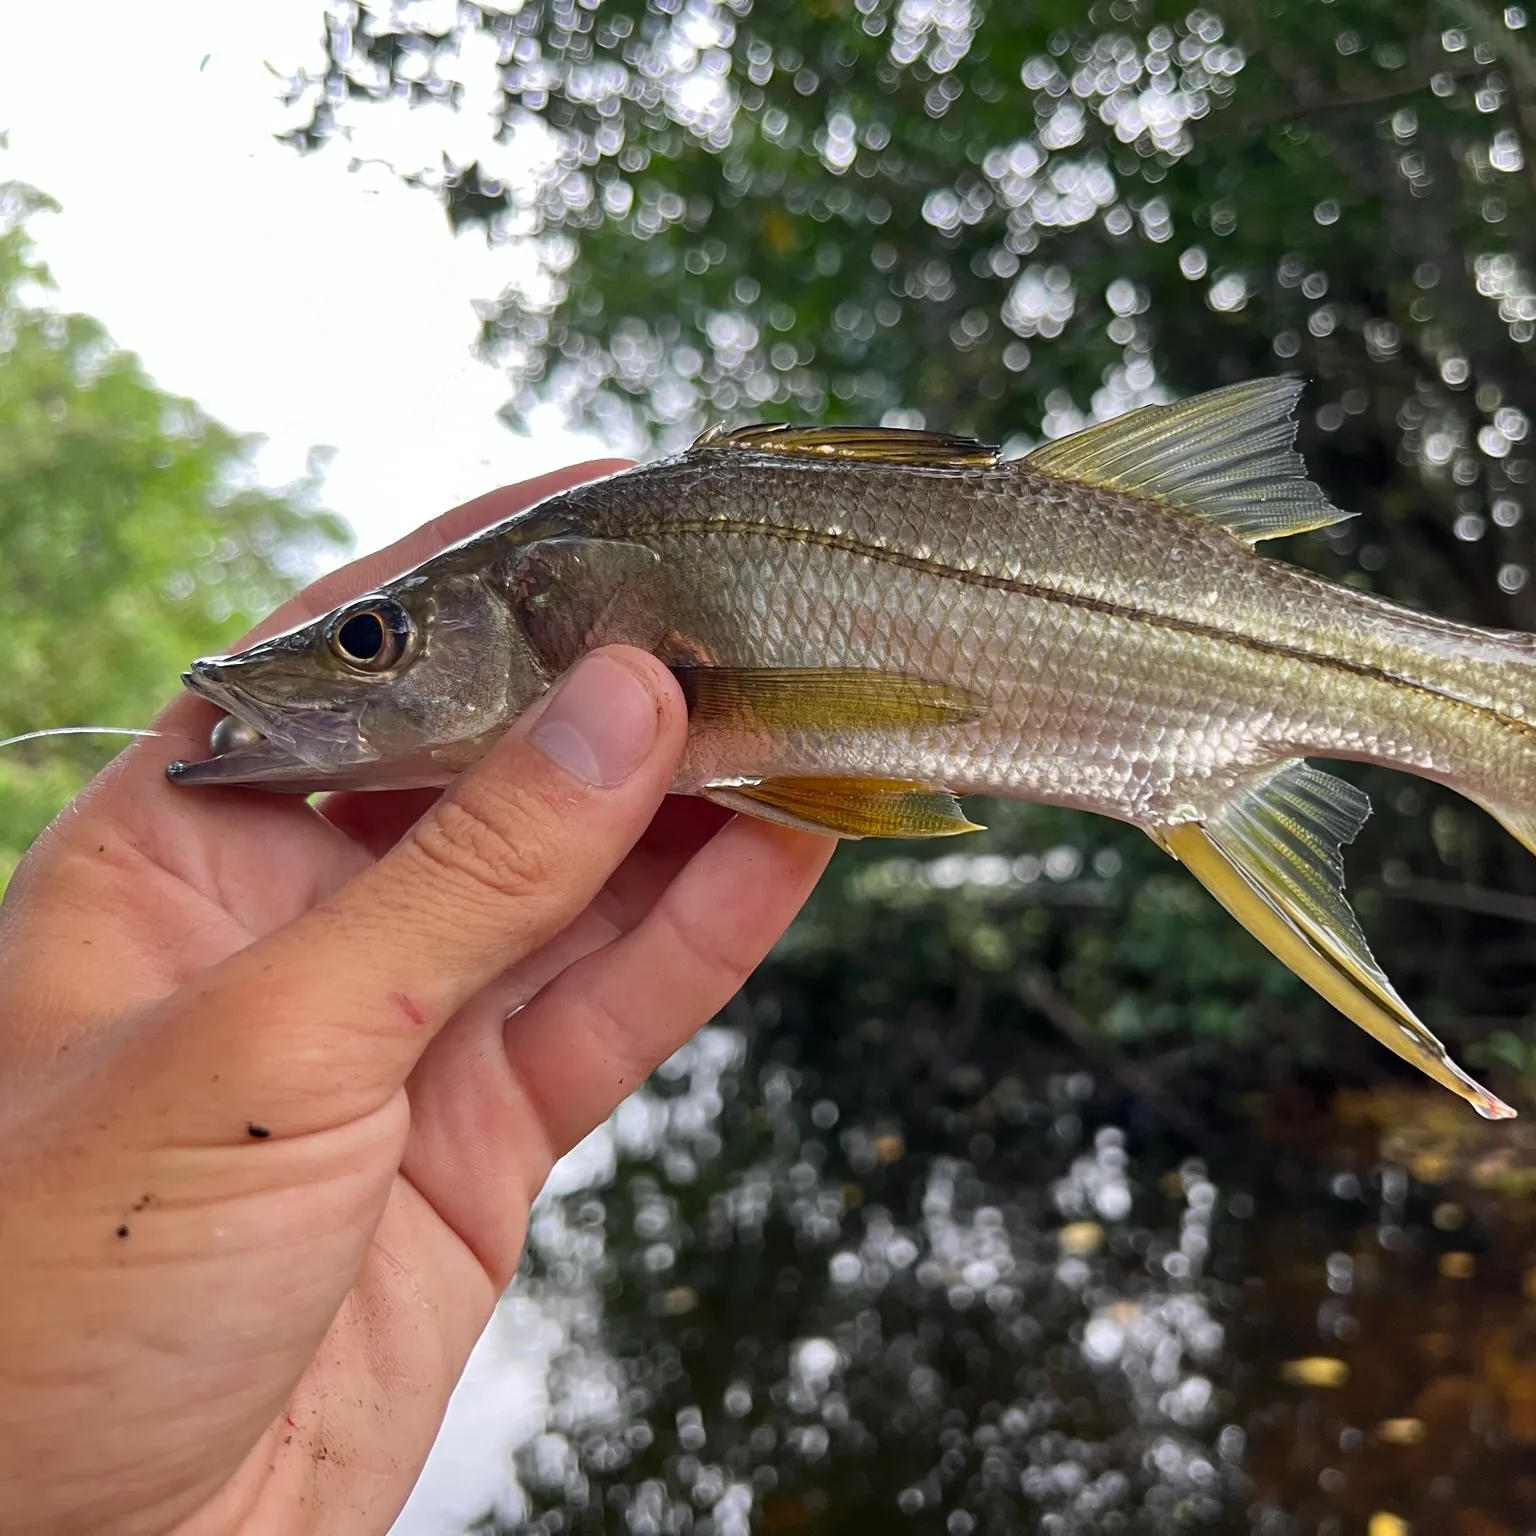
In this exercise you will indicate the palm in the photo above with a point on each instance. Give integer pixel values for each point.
(317, 1289)
(220, 870)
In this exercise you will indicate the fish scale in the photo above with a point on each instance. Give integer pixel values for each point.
(1075, 693)
(998, 525)
(867, 623)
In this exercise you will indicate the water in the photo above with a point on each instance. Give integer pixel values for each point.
(968, 1299)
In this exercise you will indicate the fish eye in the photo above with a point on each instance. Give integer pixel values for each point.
(372, 638)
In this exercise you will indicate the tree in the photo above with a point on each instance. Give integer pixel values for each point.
(134, 535)
(1004, 220)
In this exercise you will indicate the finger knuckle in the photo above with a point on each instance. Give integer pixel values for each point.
(493, 843)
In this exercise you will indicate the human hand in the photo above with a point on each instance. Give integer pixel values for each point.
(268, 1135)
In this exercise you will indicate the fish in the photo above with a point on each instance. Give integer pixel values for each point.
(868, 623)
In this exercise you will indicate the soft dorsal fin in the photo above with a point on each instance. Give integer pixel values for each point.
(874, 445)
(1228, 456)
(1273, 858)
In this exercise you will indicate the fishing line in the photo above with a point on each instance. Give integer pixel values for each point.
(76, 730)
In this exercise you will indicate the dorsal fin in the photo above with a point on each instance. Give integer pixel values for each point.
(1228, 456)
(874, 445)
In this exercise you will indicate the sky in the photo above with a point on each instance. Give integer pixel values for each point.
(289, 296)
(298, 300)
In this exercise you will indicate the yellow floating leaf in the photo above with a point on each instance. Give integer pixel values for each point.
(1458, 1266)
(1448, 1216)
(1081, 1237)
(1315, 1371)
(1520, 1408)
(1401, 1431)
(677, 1302)
(1383, 1524)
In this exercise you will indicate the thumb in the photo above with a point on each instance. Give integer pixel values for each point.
(323, 1020)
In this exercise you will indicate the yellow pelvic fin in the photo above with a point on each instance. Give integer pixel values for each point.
(874, 445)
(1274, 861)
(850, 807)
(1226, 456)
(817, 698)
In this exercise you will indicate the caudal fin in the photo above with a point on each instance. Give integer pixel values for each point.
(1518, 820)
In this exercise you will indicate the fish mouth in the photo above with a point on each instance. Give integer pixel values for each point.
(253, 745)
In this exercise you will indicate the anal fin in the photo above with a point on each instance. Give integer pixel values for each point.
(1273, 859)
(849, 807)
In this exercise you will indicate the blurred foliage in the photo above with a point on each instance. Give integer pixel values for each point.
(1008, 220)
(134, 537)
(882, 1273)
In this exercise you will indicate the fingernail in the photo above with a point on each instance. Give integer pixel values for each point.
(600, 725)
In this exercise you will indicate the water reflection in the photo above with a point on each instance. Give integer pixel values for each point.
(746, 1307)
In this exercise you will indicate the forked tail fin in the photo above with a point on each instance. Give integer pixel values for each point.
(1518, 820)
(1273, 859)
(1272, 856)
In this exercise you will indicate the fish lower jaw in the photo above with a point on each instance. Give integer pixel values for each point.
(240, 750)
(250, 760)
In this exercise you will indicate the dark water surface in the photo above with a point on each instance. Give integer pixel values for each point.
(964, 1299)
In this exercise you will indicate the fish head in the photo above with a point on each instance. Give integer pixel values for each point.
(400, 688)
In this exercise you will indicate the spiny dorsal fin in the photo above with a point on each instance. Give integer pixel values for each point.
(873, 445)
(849, 807)
(1228, 456)
(1273, 859)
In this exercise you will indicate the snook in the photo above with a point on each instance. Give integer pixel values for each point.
(868, 623)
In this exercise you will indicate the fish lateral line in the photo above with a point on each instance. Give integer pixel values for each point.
(1081, 601)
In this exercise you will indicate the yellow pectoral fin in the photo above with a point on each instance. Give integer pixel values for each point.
(1273, 861)
(820, 699)
(849, 807)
